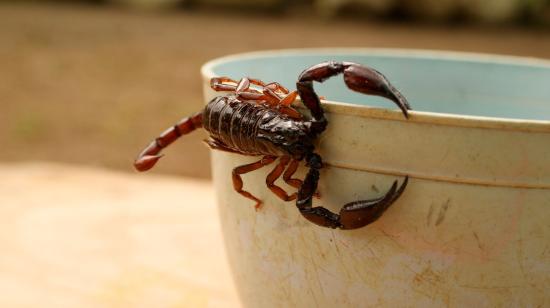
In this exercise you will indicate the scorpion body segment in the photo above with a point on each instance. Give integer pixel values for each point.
(257, 119)
(249, 128)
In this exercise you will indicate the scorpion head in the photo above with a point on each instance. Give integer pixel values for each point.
(288, 136)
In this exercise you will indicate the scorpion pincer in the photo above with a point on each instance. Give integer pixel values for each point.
(257, 119)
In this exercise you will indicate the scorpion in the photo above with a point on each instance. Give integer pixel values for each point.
(257, 119)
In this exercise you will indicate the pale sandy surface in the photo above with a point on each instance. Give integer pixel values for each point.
(93, 84)
(80, 237)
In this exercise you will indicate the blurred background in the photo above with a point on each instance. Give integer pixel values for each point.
(92, 82)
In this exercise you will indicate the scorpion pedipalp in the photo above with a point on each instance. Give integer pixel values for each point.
(352, 215)
(357, 77)
(361, 79)
(358, 214)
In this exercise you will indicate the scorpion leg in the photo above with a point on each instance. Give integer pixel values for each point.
(243, 85)
(353, 215)
(277, 86)
(272, 85)
(272, 100)
(286, 97)
(244, 91)
(227, 84)
(150, 155)
(289, 172)
(257, 82)
(357, 77)
(283, 104)
(289, 98)
(296, 183)
(268, 95)
(238, 181)
(220, 84)
(274, 175)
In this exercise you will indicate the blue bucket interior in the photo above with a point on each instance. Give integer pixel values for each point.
(462, 85)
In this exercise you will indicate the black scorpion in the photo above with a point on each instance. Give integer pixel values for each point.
(257, 119)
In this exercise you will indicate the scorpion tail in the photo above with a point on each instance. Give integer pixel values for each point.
(150, 155)
(146, 162)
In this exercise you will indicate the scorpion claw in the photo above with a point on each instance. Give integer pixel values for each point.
(357, 77)
(370, 81)
(146, 162)
(353, 215)
(361, 213)
(398, 98)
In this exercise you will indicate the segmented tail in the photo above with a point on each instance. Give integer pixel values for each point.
(150, 155)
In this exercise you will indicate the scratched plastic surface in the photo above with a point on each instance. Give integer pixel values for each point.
(470, 230)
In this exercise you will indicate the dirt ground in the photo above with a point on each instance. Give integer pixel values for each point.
(93, 84)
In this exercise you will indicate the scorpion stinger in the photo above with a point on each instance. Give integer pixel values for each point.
(150, 155)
